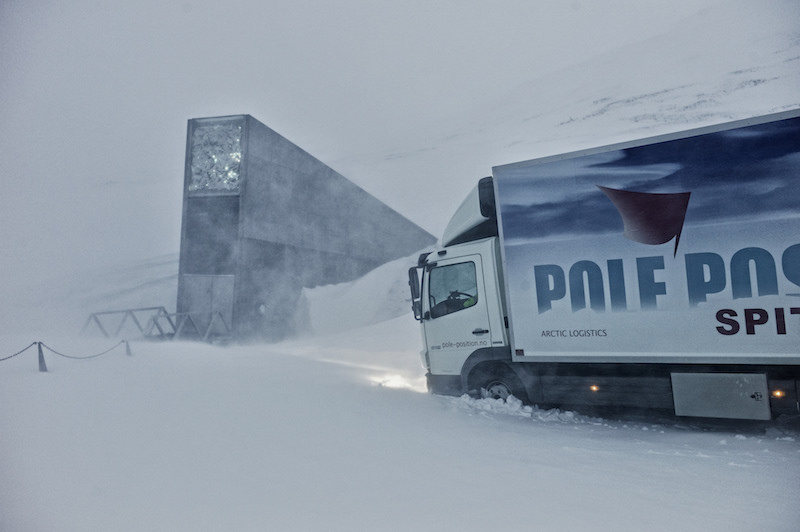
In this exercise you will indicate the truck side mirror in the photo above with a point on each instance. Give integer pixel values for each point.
(414, 284)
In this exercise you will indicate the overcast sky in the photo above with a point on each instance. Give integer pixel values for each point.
(96, 95)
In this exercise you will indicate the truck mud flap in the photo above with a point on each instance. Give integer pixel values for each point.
(444, 384)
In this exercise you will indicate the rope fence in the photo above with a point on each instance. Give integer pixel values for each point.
(18, 352)
(42, 346)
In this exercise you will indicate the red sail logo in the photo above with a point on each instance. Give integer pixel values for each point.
(650, 218)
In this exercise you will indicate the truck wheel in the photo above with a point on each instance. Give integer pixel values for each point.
(498, 382)
(497, 390)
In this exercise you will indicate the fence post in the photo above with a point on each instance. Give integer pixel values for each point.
(42, 365)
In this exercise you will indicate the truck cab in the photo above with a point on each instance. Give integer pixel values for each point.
(459, 300)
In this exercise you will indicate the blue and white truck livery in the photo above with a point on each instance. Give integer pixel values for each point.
(660, 274)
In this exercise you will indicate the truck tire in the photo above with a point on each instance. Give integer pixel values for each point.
(497, 381)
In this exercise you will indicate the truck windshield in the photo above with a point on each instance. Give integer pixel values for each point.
(452, 288)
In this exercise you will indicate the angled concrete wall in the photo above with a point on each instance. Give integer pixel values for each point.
(262, 219)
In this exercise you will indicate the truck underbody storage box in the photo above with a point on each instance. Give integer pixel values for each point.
(721, 395)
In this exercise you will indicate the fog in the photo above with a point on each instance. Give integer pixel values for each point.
(412, 101)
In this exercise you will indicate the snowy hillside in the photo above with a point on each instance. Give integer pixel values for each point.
(732, 61)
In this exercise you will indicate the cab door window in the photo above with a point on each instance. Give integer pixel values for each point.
(452, 288)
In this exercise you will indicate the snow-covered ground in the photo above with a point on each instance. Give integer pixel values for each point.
(336, 432)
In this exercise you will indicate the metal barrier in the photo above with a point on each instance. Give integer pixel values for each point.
(184, 325)
(162, 325)
(97, 318)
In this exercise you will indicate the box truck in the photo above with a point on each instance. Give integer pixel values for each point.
(662, 274)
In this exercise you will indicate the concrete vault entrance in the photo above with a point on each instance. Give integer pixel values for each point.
(262, 219)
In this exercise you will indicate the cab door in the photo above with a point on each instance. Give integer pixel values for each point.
(456, 319)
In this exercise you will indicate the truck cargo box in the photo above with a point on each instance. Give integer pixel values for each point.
(667, 250)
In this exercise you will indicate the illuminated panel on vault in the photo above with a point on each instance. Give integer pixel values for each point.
(216, 156)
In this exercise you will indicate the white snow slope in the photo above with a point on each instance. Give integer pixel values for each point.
(337, 432)
(334, 431)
